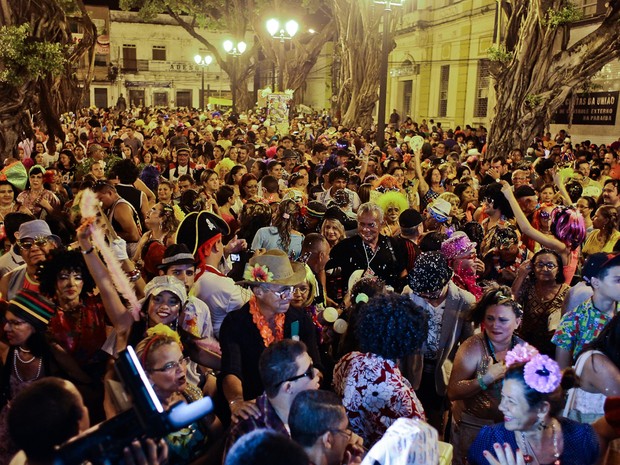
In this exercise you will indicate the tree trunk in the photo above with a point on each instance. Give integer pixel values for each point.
(45, 98)
(359, 47)
(542, 72)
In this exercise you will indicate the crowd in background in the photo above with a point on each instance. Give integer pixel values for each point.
(412, 303)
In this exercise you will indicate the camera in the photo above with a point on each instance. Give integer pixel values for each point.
(104, 443)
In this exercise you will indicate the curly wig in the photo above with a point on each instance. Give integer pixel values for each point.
(64, 260)
(392, 326)
(392, 198)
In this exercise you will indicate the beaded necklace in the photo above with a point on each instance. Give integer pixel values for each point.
(36, 376)
(530, 456)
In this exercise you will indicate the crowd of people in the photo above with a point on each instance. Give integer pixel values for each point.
(339, 302)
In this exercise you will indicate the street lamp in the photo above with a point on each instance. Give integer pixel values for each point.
(203, 62)
(281, 33)
(383, 70)
(234, 50)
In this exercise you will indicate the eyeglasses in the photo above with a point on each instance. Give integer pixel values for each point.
(14, 323)
(548, 266)
(301, 290)
(345, 432)
(172, 366)
(361, 225)
(26, 244)
(283, 293)
(309, 373)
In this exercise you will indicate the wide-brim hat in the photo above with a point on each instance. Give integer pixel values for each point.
(198, 227)
(430, 273)
(273, 267)
(176, 254)
(36, 228)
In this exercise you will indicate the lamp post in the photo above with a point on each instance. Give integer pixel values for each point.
(383, 70)
(234, 49)
(203, 62)
(281, 33)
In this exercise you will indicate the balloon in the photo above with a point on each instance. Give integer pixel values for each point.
(330, 314)
(340, 326)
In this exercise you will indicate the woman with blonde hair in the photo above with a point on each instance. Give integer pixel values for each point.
(161, 355)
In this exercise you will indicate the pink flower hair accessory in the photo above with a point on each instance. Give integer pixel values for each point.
(521, 353)
(542, 374)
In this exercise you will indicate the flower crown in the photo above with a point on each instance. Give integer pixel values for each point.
(540, 372)
(259, 273)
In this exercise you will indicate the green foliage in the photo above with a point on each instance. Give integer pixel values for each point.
(24, 57)
(499, 54)
(566, 15)
(533, 101)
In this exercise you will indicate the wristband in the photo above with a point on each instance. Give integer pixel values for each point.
(89, 251)
(482, 384)
(233, 402)
(134, 275)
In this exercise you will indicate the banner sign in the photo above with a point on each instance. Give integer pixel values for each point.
(593, 108)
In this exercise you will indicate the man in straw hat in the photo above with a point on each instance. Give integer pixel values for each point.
(266, 318)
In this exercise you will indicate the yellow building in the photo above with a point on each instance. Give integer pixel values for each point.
(439, 69)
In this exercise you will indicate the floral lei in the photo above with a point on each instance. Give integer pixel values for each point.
(262, 325)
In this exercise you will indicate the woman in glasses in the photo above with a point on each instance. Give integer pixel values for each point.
(567, 231)
(161, 356)
(26, 355)
(540, 289)
(476, 379)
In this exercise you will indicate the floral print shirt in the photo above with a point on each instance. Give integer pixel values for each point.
(580, 326)
(374, 393)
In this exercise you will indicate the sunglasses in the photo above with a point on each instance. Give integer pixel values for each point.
(309, 373)
(27, 244)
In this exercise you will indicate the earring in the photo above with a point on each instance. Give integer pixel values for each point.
(541, 425)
